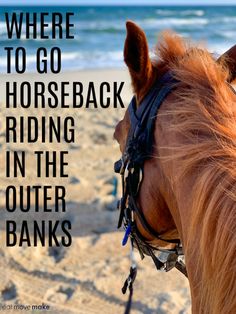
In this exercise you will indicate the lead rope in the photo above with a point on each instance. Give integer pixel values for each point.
(130, 280)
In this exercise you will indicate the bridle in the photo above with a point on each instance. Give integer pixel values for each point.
(138, 149)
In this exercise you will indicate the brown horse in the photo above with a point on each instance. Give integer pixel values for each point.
(189, 184)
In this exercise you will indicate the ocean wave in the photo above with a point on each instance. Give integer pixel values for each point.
(3, 60)
(99, 25)
(77, 60)
(100, 59)
(119, 25)
(192, 13)
(228, 19)
(3, 30)
(228, 34)
(2, 26)
(100, 33)
(171, 22)
(164, 12)
(97, 59)
(90, 26)
(32, 57)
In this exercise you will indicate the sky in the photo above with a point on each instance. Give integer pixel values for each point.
(113, 2)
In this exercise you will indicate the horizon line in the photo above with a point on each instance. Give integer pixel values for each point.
(118, 4)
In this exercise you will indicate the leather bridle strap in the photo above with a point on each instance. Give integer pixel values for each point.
(139, 147)
(145, 224)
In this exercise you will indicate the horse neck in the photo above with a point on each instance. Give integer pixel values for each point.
(211, 270)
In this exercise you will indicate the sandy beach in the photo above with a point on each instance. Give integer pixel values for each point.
(87, 276)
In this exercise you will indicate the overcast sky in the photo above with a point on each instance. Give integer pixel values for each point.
(112, 2)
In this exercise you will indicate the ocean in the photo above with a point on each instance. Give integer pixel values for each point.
(100, 32)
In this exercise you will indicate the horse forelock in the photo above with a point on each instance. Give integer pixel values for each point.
(204, 115)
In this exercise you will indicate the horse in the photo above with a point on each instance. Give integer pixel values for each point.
(188, 187)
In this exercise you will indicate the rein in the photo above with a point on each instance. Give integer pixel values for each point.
(138, 149)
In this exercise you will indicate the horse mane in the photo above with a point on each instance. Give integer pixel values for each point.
(204, 113)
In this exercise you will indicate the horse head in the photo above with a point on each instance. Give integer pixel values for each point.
(189, 180)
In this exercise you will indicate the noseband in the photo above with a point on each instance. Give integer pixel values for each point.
(139, 146)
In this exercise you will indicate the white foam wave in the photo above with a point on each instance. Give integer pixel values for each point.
(192, 12)
(148, 22)
(171, 22)
(70, 55)
(164, 12)
(228, 19)
(94, 59)
(31, 58)
(3, 30)
(100, 25)
(2, 25)
(3, 60)
(77, 60)
(227, 34)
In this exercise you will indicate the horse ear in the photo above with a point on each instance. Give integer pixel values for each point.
(229, 59)
(136, 57)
